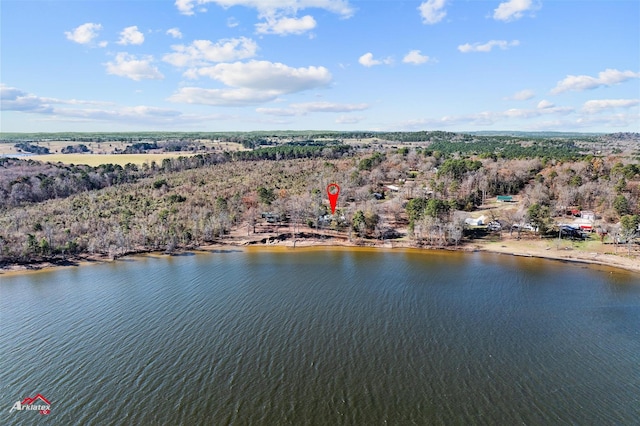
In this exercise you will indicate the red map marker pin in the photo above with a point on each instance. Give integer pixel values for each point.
(333, 190)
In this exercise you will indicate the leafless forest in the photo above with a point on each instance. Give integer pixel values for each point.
(416, 191)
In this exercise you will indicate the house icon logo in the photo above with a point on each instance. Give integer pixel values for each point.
(37, 403)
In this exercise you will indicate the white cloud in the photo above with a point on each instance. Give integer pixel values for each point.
(271, 7)
(595, 106)
(415, 57)
(284, 26)
(543, 104)
(488, 46)
(522, 95)
(432, 11)
(513, 9)
(129, 66)
(251, 83)
(232, 22)
(131, 35)
(200, 52)
(264, 75)
(608, 77)
(174, 32)
(368, 61)
(280, 16)
(223, 97)
(85, 33)
(14, 99)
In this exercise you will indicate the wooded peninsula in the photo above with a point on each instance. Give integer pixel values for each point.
(65, 197)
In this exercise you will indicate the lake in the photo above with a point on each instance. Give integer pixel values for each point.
(322, 337)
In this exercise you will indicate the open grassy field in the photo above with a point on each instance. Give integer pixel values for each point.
(102, 152)
(55, 147)
(97, 159)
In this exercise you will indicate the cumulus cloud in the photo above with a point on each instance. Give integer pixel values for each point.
(368, 61)
(595, 106)
(251, 83)
(432, 11)
(265, 75)
(280, 16)
(543, 104)
(223, 97)
(608, 77)
(284, 26)
(131, 35)
(174, 32)
(84, 34)
(201, 52)
(129, 66)
(513, 9)
(415, 57)
(522, 95)
(271, 7)
(488, 46)
(14, 99)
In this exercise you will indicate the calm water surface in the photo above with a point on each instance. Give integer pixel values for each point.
(323, 337)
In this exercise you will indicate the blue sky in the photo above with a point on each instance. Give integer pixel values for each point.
(387, 65)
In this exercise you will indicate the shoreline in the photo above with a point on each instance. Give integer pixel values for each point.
(537, 248)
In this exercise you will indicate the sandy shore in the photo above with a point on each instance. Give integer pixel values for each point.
(592, 252)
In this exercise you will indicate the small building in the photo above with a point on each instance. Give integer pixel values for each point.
(504, 198)
(480, 221)
(586, 227)
(393, 188)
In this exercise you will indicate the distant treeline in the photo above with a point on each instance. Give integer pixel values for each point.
(506, 147)
(33, 149)
(265, 136)
(293, 150)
